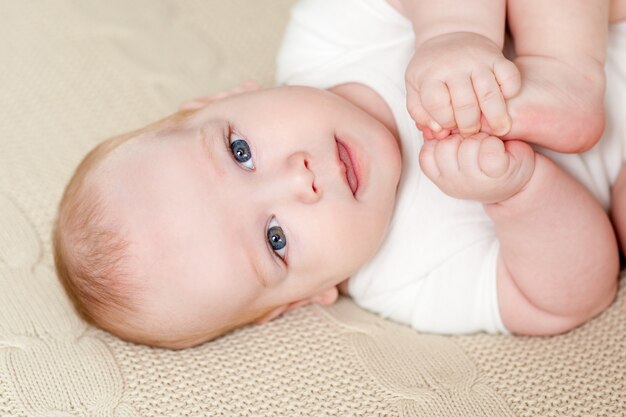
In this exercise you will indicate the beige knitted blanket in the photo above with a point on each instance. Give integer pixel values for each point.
(73, 72)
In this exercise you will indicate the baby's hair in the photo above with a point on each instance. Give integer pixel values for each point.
(91, 253)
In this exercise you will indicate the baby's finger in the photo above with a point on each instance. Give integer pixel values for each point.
(427, 160)
(249, 85)
(508, 77)
(436, 101)
(465, 105)
(446, 156)
(468, 157)
(415, 108)
(491, 101)
(426, 132)
(193, 104)
(442, 134)
(492, 157)
(199, 102)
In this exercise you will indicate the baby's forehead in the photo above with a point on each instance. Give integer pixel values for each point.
(165, 195)
(134, 163)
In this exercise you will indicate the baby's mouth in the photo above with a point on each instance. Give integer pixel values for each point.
(346, 160)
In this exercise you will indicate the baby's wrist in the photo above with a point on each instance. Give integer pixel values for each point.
(456, 38)
(506, 198)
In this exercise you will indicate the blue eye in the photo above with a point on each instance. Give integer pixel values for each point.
(276, 238)
(241, 151)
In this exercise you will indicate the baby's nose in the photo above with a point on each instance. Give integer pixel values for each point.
(301, 179)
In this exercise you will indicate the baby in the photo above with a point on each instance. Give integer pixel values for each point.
(255, 201)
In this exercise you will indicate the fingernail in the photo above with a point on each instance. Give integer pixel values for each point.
(434, 126)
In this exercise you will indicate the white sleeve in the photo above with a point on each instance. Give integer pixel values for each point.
(457, 295)
(460, 295)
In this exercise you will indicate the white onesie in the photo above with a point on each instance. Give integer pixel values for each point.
(436, 269)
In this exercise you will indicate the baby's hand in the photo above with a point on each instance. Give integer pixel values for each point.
(454, 79)
(481, 167)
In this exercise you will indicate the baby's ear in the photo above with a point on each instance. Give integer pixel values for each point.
(199, 102)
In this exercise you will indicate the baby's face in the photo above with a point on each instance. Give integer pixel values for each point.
(260, 201)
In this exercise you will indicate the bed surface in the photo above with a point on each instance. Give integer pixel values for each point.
(75, 72)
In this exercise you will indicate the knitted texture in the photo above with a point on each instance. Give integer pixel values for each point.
(75, 72)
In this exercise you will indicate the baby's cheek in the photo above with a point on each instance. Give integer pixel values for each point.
(366, 234)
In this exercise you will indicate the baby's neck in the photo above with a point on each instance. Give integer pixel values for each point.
(368, 100)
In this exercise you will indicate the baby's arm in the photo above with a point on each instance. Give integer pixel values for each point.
(458, 72)
(558, 259)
